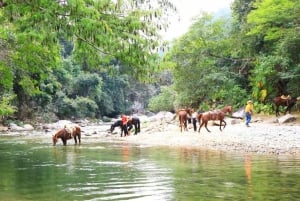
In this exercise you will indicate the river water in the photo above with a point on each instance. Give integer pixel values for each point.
(32, 169)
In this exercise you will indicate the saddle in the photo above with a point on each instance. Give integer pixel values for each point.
(288, 97)
(68, 132)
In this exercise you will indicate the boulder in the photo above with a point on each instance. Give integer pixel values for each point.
(28, 127)
(286, 118)
(240, 114)
(15, 127)
(25, 127)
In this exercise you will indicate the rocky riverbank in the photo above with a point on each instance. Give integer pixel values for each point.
(259, 138)
(265, 136)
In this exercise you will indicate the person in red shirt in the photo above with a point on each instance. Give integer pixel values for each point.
(124, 124)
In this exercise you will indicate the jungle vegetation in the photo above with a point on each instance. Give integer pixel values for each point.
(89, 59)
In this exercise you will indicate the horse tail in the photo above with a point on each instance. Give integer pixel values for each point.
(78, 130)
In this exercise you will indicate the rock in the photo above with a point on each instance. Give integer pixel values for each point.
(234, 121)
(28, 127)
(15, 127)
(286, 118)
(3, 128)
(59, 124)
(240, 114)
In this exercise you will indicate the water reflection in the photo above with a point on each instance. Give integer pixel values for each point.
(31, 170)
(248, 175)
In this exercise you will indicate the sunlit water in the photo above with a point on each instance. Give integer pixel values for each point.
(32, 169)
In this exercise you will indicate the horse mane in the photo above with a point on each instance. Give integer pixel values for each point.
(59, 132)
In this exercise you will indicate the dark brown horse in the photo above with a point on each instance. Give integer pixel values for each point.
(203, 118)
(134, 121)
(182, 115)
(287, 102)
(67, 133)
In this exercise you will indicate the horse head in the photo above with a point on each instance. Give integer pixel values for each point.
(189, 111)
(59, 134)
(54, 139)
(230, 110)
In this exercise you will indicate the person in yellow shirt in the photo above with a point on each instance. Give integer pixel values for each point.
(249, 112)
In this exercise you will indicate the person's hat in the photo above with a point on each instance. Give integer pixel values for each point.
(249, 101)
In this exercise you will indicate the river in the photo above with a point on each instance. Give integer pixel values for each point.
(32, 169)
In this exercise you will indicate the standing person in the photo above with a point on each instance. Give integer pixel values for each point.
(124, 124)
(194, 117)
(249, 112)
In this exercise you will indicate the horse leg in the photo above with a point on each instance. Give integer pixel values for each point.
(221, 124)
(200, 126)
(206, 126)
(75, 139)
(135, 129)
(224, 124)
(64, 141)
(180, 123)
(129, 129)
(185, 126)
(139, 126)
(277, 111)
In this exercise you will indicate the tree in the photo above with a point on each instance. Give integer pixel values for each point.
(99, 31)
(277, 22)
(202, 72)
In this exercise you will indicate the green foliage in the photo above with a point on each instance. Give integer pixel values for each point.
(273, 18)
(86, 58)
(101, 31)
(86, 85)
(254, 56)
(263, 108)
(85, 107)
(267, 74)
(236, 96)
(164, 101)
(79, 107)
(6, 78)
(200, 72)
(65, 107)
(6, 108)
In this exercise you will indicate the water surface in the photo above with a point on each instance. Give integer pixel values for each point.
(32, 169)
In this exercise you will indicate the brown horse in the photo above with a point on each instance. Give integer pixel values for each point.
(287, 102)
(182, 115)
(66, 134)
(214, 115)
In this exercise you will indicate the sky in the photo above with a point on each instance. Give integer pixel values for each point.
(191, 8)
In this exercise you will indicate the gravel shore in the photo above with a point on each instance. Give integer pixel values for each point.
(259, 138)
(263, 136)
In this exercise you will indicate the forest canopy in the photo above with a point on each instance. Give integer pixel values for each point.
(88, 58)
(253, 53)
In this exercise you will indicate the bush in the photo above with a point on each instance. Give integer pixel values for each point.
(163, 102)
(85, 107)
